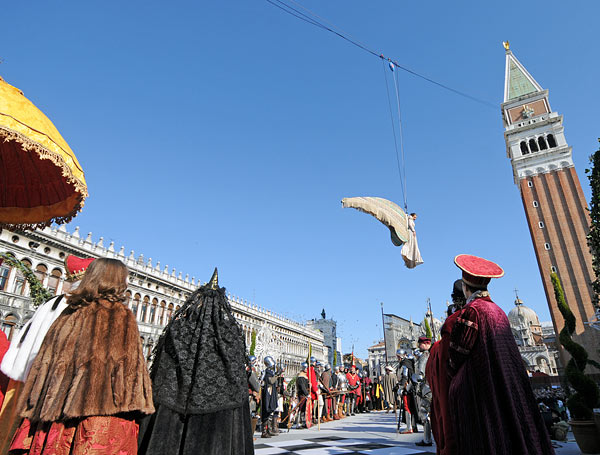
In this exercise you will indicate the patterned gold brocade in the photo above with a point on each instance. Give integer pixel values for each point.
(98, 435)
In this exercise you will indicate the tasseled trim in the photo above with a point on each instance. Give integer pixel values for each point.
(45, 154)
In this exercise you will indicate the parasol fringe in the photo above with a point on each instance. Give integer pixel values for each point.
(45, 154)
(6, 135)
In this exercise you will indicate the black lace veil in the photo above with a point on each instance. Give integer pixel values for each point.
(199, 361)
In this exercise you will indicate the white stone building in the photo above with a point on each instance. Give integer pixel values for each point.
(534, 341)
(155, 292)
(400, 333)
(329, 329)
(377, 359)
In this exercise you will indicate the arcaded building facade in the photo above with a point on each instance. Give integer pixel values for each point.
(155, 292)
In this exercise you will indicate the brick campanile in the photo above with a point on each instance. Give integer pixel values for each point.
(555, 207)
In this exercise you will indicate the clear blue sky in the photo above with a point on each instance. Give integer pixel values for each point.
(226, 133)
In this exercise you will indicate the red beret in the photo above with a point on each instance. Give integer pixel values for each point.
(76, 267)
(424, 340)
(477, 271)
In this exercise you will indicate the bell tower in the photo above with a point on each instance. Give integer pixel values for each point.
(555, 207)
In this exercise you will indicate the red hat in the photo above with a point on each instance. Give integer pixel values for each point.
(424, 340)
(76, 267)
(477, 272)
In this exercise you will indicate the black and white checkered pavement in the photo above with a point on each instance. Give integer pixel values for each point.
(337, 445)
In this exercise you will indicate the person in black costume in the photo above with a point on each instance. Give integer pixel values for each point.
(199, 382)
(269, 399)
(303, 390)
(406, 368)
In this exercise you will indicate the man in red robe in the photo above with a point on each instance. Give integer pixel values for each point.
(353, 387)
(438, 380)
(490, 399)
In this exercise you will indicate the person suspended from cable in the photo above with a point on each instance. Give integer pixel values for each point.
(401, 225)
(410, 250)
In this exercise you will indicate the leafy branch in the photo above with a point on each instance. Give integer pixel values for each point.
(38, 293)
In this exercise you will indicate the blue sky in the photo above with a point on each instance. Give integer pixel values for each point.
(226, 133)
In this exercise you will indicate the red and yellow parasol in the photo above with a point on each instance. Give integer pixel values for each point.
(41, 181)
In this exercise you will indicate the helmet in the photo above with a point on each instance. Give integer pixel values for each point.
(337, 368)
(304, 366)
(318, 364)
(252, 359)
(313, 360)
(327, 367)
(401, 352)
(269, 362)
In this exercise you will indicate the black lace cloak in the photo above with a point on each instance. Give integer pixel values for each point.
(199, 378)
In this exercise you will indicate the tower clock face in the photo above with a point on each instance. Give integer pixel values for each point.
(527, 112)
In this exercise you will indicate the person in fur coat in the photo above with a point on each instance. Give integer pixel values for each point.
(89, 383)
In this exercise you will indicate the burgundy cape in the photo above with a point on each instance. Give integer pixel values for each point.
(491, 402)
(436, 373)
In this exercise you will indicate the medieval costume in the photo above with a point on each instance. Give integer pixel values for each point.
(269, 398)
(325, 381)
(406, 389)
(438, 380)
(490, 396)
(253, 392)
(89, 381)
(22, 351)
(354, 389)
(199, 383)
(423, 392)
(303, 391)
(389, 385)
(410, 250)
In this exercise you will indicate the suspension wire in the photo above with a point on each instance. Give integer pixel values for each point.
(389, 98)
(313, 19)
(401, 136)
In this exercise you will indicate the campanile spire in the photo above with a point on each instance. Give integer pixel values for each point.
(555, 207)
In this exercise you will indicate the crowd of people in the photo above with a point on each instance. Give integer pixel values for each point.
(75, 381)
(320, 394)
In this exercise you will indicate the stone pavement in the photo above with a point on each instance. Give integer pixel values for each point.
(373, 433)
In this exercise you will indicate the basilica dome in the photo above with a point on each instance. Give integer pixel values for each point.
(522, 315)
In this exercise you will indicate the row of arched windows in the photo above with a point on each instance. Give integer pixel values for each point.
(151, 312)
(533, 145)
(12, 279)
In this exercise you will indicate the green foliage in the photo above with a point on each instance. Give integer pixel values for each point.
(38, 293)
(587, 394)
(593, 238)
(427, 329)
(253, 342)
(334, 359)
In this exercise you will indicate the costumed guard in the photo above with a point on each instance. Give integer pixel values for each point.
(423, 393)
(199, 382)
(438, 380)
(335, 396)
(490, 395)
(343, 388)
(253, 390)
(326, 393)
(406, 390)
(17, 362)
(354, 389)
(269, 399)
(303, 391)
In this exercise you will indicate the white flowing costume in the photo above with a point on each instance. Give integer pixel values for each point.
(410, 250)
(22, 352)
